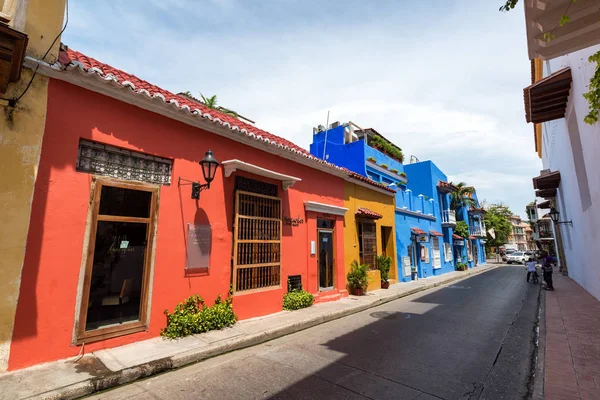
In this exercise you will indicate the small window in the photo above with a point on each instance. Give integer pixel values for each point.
(374, 176)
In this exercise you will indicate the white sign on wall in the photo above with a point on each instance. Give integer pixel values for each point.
(406, 266)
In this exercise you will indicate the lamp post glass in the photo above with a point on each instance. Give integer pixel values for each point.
(209, 166)
(554, 214)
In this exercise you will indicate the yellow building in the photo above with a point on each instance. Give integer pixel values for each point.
(369, 226)
(21, 131)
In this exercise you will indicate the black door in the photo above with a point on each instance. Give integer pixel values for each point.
(325, 259)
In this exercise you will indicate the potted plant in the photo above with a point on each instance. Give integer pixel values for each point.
(395, 171)
(403, 174)
(358, 278)
(384, 264)
(384, 166)
(414, 273)
(461, 266)
(371, 159)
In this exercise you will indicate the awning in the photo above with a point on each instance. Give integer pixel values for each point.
(546, 193)
(230, 166)
(541, 17)
(324, 208)
(472, 237)
(457, 237)
(546, 100)
(547, 181)
(545, 204)
(418, 231)
(476, 211)
(435, 233)
(446, 187)
(366, 213)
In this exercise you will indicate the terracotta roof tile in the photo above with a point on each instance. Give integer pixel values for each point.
(455, 236)
(418, 231)
(435, 233)
(472, 237)
(446, 186)
(365, 212)
(137, 85)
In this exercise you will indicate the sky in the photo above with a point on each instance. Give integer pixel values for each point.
(442, 79)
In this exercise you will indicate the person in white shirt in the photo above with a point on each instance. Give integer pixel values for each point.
(531, 269)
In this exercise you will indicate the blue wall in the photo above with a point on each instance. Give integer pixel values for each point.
(418, 202)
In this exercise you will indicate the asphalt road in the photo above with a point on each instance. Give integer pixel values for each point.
(472, 339)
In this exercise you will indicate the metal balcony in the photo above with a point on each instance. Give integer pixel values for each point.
(448, 219)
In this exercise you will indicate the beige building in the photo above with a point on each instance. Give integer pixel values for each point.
(518, 238)
(28, 28)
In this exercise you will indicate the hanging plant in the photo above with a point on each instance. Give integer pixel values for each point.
(593, 95)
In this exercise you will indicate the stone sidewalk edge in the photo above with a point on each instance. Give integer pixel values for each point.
(128, 375)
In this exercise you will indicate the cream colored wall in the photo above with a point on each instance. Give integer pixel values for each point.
(21, 132)
(356, 196)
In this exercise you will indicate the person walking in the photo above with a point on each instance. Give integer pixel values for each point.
(547, 261)
(531, 272)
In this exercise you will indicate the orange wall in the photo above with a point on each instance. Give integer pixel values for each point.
(46, 308)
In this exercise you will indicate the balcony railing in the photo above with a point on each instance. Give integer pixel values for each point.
(478, 230)
(448, 218)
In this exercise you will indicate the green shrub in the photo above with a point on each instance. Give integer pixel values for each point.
(358, 277)
(193, 316)
(462, 229)
(384, 264)
(386, 147)
(297, 299)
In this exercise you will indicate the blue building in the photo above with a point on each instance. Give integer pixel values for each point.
(425, 242)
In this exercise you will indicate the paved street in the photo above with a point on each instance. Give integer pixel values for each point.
(472, 339)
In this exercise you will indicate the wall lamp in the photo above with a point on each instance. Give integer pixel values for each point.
(209, 166)
(554, 214)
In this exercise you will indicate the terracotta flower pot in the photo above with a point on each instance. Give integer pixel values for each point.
(358, 291)
(385, 285)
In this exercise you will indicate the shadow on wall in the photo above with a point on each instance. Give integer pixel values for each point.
(401, 354)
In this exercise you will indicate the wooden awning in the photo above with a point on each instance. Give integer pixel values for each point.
(546, 193)
(546, 100)
(545, 204)
(547, 181)
(230, 166)
(477, 211)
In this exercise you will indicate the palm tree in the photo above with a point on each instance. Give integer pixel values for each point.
(462, 197)
(211, 102)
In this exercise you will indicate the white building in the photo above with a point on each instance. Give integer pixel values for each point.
(569, 147)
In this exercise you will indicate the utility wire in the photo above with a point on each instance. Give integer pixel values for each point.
(13, 102)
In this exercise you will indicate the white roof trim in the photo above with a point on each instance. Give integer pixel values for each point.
(230, 166)
(324, 208)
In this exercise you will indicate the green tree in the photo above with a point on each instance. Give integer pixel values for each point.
(462, 229)
(462, 197)
(498, 218)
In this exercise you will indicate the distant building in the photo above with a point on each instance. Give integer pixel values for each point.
(517, 240)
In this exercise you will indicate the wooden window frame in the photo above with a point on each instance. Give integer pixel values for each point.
(129, 327)
(236, 226)
(360, 231)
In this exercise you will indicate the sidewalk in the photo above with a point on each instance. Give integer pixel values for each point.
(572, 342)
(67, 379)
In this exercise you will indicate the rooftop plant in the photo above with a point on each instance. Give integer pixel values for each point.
(394, 170)
(372, 159)
(384, 166)
(387, 148)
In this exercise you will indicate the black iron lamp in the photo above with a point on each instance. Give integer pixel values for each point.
(554, 215)
(209, 165)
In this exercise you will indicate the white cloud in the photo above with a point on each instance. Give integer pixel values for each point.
(443, 81)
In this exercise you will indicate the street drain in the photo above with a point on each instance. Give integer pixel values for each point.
(384, 315)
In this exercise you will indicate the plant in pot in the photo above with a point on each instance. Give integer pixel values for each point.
(371, 159)
(461, 266)
(384, 264)
(358, 279)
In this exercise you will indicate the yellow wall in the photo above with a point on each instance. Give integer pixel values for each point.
(21, 131)
(356, 196)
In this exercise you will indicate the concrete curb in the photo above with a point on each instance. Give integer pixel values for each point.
(145, 370)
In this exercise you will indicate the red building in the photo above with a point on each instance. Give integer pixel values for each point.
(116, 238)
